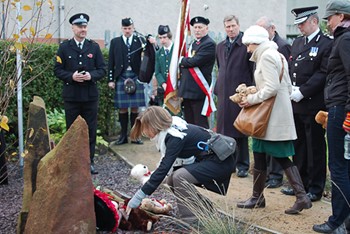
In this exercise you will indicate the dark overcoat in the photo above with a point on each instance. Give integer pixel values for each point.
(234, 68)
(203, 57)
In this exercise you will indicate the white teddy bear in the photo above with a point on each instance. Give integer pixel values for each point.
(141, 173)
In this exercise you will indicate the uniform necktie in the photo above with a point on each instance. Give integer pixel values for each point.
(128, 42)
(80, 45)
(306, 40)
(166, 51)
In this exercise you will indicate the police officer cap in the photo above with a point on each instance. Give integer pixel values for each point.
(127, 22)
(199, 19)
(337, 6)
(79, 19)
(302, 14)
(163, 29)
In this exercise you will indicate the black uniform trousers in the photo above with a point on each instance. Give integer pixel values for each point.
(310, 153)
(192, 112)
(88, 111)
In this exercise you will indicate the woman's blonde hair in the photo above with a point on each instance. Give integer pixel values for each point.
(154, 117)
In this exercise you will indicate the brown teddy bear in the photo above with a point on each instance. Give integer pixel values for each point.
(156, 206)
(322, 118)
(241, 93)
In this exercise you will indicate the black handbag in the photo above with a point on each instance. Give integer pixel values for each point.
(129, 86)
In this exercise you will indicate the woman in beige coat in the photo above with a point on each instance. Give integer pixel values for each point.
(280, 130)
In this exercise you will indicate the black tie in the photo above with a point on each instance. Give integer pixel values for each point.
(306, 40)
(127, 42)
(80, 45)
(166, 51)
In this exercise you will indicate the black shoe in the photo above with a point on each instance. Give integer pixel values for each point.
(242, 173)
(322, 228)
(313, 197)
(137, 142)
(121, 140)
(288, 191)
(92, 170)
(273, 183)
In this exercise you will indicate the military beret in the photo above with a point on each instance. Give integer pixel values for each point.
(163, 29)
(199, 19)
(337, 6)
(127, 22)
(79, 19)
(302, 14)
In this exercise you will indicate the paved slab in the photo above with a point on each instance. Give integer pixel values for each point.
(271, 217)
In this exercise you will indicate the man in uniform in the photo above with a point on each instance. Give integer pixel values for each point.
(124, 63)
(80, 64)
(274, 169)
(307, 67)
(234, 69)
(163, 58)
(201, 55)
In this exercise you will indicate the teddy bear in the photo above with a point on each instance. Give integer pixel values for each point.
(241, 93)
(141, 173)
(322, 118)
(156, 206)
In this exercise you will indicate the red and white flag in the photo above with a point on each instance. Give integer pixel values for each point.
(182, 30)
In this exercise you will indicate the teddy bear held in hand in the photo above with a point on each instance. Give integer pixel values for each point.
(156, 206)
(322, 118)
(241, 93)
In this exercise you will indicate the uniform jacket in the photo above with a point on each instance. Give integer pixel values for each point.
(162, 65)
(234, 68)
(338, 79)
(203, 57)
(70, 59)
(308, 71)
(283, 46)
(281, 123)
(118, 60)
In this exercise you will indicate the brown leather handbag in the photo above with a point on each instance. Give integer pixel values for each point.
(253, 120)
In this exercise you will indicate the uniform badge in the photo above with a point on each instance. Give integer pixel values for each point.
(58, 59)
(313, 51)
(193, 53)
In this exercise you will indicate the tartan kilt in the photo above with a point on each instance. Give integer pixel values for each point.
(124, 100)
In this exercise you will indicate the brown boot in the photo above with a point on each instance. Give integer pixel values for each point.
(257, 199)
(303, 201)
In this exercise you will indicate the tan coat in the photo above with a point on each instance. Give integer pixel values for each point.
(268, 68)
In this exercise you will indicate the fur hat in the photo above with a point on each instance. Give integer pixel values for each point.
(255, 35)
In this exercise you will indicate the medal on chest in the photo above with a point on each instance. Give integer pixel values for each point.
(313, 51)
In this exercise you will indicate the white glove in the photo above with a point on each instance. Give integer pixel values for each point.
(296, 94)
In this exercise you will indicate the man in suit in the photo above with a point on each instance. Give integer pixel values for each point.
(80, 64)
(124, 63)
(274, 170)
(201, 55)
(307, 69)
(163, 58)
(234, 69)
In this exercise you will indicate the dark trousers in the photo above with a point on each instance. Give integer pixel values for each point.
(310, 153)
(88, 111)
(338, 166)
(192, 112)
(274, 169)
(242, 161)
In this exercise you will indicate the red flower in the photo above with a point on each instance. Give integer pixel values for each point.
(90, 55)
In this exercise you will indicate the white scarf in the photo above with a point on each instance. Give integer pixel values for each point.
(176, 128)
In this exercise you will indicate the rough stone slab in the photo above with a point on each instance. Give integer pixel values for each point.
(63, 201)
